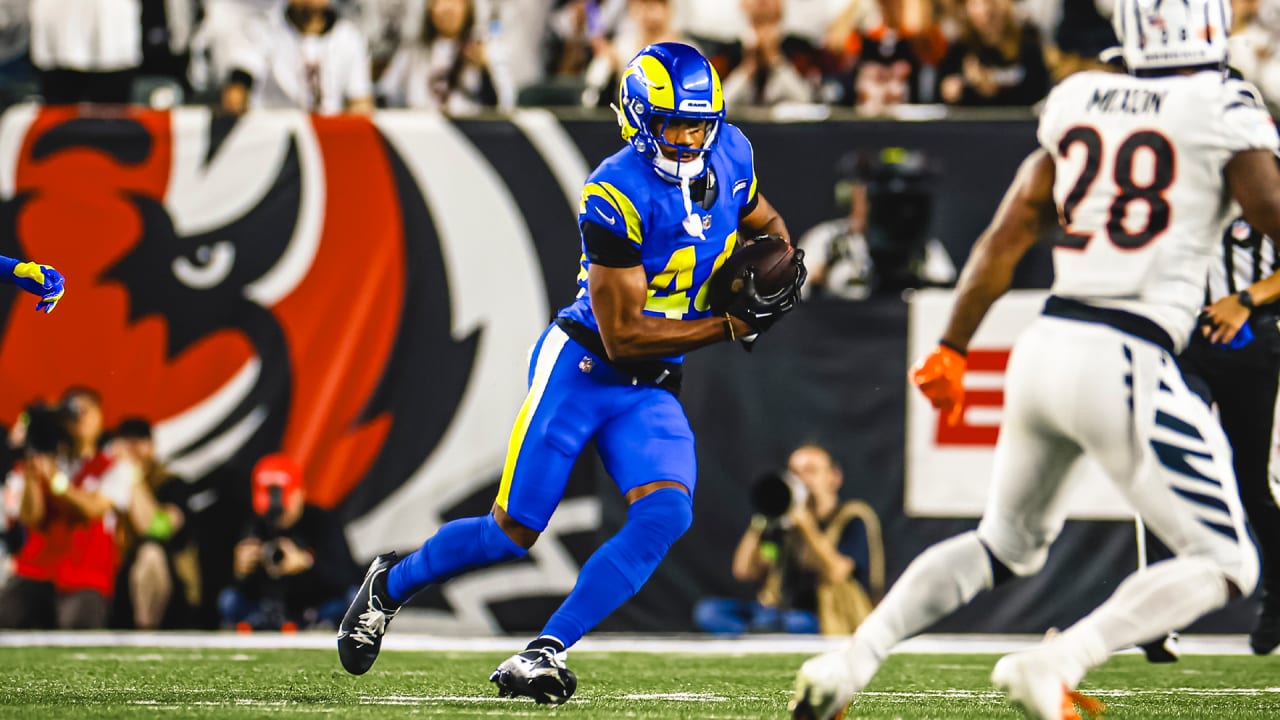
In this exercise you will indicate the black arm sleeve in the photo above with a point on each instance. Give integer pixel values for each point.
(750, 206)
(606, 249)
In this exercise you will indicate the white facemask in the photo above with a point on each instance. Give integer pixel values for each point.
(673, 170)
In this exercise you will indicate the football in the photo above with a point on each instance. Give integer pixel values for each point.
(769, 256)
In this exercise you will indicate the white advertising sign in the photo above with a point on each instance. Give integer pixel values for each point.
(948, 469)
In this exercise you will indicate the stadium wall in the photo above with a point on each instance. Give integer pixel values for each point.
(362, 293)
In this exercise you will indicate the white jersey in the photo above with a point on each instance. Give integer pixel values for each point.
(316, 73)
(1139, 186)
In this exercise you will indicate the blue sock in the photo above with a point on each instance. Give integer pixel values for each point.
(617, 570)
(458, 546)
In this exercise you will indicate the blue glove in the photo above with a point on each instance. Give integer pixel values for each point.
(40, 280)
(1242, 338)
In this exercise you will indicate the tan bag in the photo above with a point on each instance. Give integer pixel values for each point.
(843, 605)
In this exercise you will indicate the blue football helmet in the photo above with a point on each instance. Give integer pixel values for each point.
(665, 81)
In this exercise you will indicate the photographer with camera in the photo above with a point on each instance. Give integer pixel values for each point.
(816, 561)
(293, 568)
(68, 496)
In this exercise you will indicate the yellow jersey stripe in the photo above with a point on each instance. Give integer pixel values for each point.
(546, 362)
(629, 212)
(620, 203)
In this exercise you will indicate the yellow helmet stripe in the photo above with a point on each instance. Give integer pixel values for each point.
(717, 94)
(662, 93)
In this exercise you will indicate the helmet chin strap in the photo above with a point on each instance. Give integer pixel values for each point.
(675, 171)
(692, 223)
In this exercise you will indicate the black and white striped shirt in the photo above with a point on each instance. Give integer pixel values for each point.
(1247, 257)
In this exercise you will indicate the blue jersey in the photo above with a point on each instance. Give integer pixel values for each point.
(625, 196)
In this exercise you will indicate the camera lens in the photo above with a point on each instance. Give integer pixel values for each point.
(771, 495)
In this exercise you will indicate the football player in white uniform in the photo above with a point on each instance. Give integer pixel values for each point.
(1142, 169)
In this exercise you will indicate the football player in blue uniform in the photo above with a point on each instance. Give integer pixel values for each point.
(657, 218)
(35, 278)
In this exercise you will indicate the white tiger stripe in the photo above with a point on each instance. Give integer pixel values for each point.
(549, 138)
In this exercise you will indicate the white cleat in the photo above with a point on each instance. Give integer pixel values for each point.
(1034, 683)
(540, 674)
(824, 687)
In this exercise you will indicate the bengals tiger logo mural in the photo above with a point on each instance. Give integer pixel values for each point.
(359, 294)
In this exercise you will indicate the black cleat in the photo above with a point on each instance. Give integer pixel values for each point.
(362, 628)
(1265, 635)
(1162, 650)
(802, 709)
(539, 673)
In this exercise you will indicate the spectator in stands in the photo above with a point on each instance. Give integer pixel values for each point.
(881, 244)
(385, 24)
(885, 73)
(449, 67)
(1254, 49)
(227, 26)
(86, 50)
(649, 21)
(314, 61)
(764, 74)
(166, 39)
(15, 440)
(1073, 33)
(69, 496)
(811, 20)
(575, 26)
(884, 59)
(112, 499)
(816, 561)
(16, 72)
(997, 61)
(160, 571)
(293, 568)
(716, 26)
(1243, 12)
(28, 599)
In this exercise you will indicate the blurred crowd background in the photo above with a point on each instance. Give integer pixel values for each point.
(465, 56)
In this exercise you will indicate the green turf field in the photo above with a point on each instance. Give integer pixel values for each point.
(123, 682)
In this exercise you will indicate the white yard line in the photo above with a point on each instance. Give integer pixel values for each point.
(684, 644)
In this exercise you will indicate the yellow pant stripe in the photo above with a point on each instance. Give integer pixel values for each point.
(546, 362)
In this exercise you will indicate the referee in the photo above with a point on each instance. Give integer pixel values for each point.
(1242, 381)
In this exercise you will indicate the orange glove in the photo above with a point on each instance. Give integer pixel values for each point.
(940, 376)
